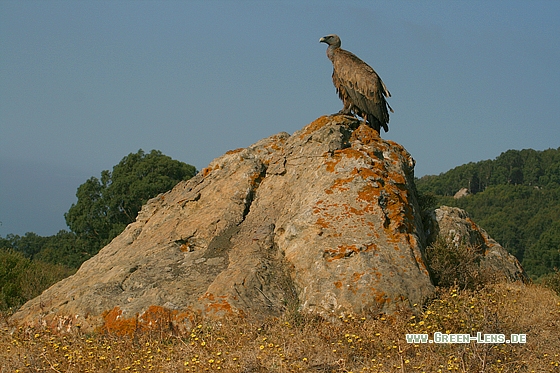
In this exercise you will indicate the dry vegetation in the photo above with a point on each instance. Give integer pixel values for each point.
(299, 343)
(468, 301)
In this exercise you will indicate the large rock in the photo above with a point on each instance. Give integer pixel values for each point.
(456, 227)
(324, 220)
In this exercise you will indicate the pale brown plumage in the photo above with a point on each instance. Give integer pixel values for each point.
(359, 87)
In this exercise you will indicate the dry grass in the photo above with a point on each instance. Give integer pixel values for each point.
(299, 343)
(452, 264)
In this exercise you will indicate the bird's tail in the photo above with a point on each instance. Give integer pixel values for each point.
(390, 108)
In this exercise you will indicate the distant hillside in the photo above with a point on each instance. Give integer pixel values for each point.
(515, 197)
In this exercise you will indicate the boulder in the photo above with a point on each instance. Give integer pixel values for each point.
(463, 192)
(454, 225)
(324, 220)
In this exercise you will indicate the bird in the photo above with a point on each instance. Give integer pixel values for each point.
(361, 90)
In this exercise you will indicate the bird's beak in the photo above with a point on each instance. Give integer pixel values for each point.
(322, 40)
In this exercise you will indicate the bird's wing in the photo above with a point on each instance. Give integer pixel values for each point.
(363, 86)
(357, 75)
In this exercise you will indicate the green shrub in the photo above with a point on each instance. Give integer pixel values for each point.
(22, 279)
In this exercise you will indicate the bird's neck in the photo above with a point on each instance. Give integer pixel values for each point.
(330, 51)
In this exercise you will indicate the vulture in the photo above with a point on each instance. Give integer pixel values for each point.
(359, 87)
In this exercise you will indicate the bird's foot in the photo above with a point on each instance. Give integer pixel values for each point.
(346, 112)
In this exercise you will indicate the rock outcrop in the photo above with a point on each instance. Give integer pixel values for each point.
(324, 220)
(454, 225)
(463, 192)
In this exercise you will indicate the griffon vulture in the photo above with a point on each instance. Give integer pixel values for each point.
(359, 87)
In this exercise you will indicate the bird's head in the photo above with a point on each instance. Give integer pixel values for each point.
(331, 39)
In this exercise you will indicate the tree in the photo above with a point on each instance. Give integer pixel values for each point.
(65, 248)
(544, 256)
(29, 244)
(107, 205)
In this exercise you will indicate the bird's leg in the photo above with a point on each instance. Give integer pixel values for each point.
(346, 110)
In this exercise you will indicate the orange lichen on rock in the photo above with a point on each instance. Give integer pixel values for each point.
(365, 134)
(338, 183)
(331, 163)
(220, 307)
(234, 151)
(114, 322)
(154, 318)
(366, 173)
(380, 296)
(217, 306)
(474, 227)
(371, 247)
(369, 194)
(350, 153)
(356, 276)
(314, 126)
(396, 206)
(323, 223)
(400, 212)
(341, 251)
(277, 143)
(346, 251)
(206, 171)
(255, 179)
(397, 178)
(338, 155)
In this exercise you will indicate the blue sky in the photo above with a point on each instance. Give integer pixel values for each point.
(84, 83)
